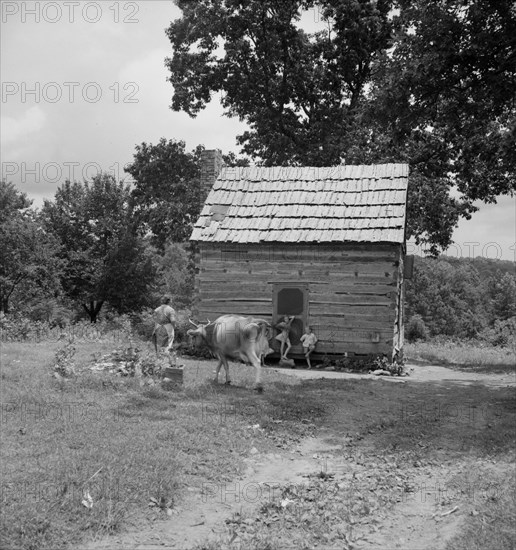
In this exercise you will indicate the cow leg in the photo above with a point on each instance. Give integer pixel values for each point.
(226, 368)
(216, 380)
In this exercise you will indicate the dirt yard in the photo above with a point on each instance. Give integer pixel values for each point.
(421, 462)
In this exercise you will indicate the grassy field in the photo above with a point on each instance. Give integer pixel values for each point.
(108, 437)
(466, 355)
(91, 455)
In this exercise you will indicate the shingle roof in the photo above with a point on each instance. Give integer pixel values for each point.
(308, 204)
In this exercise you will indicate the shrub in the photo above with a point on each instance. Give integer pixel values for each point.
(143, 323)
(416, 329)
(183, 325)
(194, 349)
(50, 311)
(18, 328)
(64, 360)
(503, 333)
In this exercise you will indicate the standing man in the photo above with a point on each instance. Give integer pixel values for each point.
(164, 316)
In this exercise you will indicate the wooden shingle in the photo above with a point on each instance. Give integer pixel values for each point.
(306, 204)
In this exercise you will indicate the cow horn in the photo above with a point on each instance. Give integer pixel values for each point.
(196, 326)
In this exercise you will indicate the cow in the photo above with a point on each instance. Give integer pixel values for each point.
(236, 337)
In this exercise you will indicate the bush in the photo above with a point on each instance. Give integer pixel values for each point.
(183, 325)
(143, 324)
(502, 334)
(416, 329)
(50, 311)
(18, 328)
(64, 360)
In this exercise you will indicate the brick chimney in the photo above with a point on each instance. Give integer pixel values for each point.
(211, 164)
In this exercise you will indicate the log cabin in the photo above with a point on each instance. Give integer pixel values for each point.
(326, 244)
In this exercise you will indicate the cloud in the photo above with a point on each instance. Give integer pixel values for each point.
(150, 116)
(31, 121)
(490, 233)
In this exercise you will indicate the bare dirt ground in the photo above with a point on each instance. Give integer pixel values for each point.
(418, 373)
(425, 515)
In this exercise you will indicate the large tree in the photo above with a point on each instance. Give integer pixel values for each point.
(29, 265)
(100, 248)
(425, 82)
(166, 191)
(444, 98)
(167, 195)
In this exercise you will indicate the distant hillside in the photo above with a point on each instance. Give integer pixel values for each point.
(462, 297)
(487, 267)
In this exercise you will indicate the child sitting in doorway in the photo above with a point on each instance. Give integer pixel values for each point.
(309, 339)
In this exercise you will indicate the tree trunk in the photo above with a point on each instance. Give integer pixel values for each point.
(93, 310)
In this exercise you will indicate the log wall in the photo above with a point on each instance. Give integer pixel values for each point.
(354, 290)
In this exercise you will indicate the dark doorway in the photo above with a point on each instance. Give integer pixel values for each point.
(291, 300)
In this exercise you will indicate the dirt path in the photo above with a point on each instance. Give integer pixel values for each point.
(203, 515)
(425, 513)
(424, 518)
(418, 373)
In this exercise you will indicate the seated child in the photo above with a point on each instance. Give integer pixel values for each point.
(309, 339)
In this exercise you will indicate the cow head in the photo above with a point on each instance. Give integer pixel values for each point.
(261, 331)
(198, 331)
(203, 332)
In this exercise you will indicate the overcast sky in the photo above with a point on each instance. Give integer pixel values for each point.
(84, 82)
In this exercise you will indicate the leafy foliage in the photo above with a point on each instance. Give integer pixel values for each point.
(427, 83)
(166, 192)
(29, 267)
(167, 196)
(128, 276)
(459, 298)
(175, 274)
(299, 93)
(130, 361)
(416, 329)
(104, 258)
(64, 360)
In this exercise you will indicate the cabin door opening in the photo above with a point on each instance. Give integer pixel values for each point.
(289, 299)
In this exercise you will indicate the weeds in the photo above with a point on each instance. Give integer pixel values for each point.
(134, 450)
(449, 352)
(65, 365)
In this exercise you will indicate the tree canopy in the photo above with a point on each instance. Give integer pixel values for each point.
(29, 265)
(102, 255)
(167, 196)
(424, 82)
(166, 191)
(462, 297)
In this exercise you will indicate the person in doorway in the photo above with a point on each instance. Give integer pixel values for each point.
(284, 335)
(164, 316)
(309, 339)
